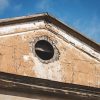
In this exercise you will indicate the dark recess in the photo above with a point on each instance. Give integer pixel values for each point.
(44, 50)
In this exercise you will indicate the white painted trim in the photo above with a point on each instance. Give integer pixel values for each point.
(12, 29)
(74, 41)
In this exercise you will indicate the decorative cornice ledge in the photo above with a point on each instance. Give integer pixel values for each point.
(31, 85)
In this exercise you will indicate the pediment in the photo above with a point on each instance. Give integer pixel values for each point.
(43, 47)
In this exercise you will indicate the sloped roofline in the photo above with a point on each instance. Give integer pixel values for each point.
(50, 19)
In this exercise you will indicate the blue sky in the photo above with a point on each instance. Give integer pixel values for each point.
(82, 15)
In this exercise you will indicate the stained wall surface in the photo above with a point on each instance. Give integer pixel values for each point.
(69, 64)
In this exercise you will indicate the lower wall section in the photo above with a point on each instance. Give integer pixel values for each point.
(6, 95)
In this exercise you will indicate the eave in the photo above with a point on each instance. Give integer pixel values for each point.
(31, 85)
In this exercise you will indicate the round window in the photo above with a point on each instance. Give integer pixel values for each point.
(44, 50)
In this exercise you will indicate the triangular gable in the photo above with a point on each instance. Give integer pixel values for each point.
(72, 57)
(79, 41)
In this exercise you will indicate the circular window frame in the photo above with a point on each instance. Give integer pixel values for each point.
(56, 52)
(44, 50)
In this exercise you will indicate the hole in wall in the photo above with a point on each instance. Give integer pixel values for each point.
(44, 50)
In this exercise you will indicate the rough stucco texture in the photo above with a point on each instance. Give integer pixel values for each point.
(72, 66)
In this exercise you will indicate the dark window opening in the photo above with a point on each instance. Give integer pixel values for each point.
(44, 50)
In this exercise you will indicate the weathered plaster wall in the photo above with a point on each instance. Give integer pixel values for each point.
(72, 66)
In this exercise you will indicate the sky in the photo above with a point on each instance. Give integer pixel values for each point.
(82, 15)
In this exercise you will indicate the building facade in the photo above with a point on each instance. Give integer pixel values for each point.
(40, 46)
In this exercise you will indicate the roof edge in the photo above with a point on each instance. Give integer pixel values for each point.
(22, 19)
(50, 19)
(73, 32)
